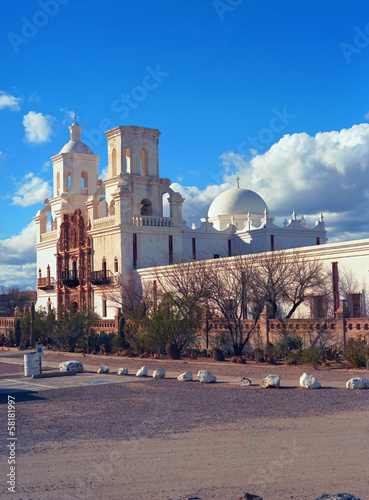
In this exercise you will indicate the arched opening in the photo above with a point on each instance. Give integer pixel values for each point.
(50, 222)
(127, 160)
(114, 163)
(143, 162)
(74, 307)
(84, 182)
(58, 183)
(146, 208)
(112, 207)
(103, 207)
(68, 182)
(165, 205)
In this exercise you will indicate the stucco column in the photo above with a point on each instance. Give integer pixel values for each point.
(175, 202)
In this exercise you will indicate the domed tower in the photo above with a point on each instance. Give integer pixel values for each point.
(75, 167)
(236, 204)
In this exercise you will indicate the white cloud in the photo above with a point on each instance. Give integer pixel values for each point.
(35, 97)
(47, 165)
(68, 116)
(9, 101)
(325, 173)
(19, 249)
(104, 172)
(22, 276)
(31, 190)
(37, 127)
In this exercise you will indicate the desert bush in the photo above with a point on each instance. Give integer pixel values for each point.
(10, 339)
(270, 354)
(117, 343)
(356, 352)
(312, 356)
(259, 355)
(287, 345)
(293, 358)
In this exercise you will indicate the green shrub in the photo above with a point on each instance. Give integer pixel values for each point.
(293, 358)
(312, 356)
(117, 344)
(287, 345)
(356, 352)
(270, 354)
(259, 355)
(10, 339)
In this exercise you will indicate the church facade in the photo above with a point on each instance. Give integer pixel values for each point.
(93, 235)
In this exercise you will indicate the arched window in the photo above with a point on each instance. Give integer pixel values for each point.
(127, 160)
(146, 208)
(84, 182)
(50, 222)
(103, 207)
(58, 183)
(165, 205)
(68, 182)
(112, 207)
(114, 163)
(143, 162)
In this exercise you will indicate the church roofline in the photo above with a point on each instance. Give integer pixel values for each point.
(132, 129)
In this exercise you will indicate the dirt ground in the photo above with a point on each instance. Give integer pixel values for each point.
(166, 440)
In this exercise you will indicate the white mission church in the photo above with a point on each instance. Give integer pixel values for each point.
(95, 234)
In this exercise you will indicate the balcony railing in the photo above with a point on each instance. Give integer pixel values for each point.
(102, 277)
(70, 278)
(103, 222)
(150, 220)
(45, 283)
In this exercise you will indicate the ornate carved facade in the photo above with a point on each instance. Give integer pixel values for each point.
(73, 262)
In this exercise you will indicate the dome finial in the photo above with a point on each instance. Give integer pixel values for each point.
(238, 181)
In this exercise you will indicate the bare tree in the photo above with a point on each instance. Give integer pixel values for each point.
(286, 279)
(186, 280)
(10, 299)
(229, 284)
(132, 297)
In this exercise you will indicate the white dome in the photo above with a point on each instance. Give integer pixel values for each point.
(77, 147)
(237, 201)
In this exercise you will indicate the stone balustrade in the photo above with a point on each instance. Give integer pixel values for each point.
(150, 220)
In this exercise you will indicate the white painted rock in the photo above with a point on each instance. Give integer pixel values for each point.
(67, 366)
(271, 381)
(185, 377)
(159, 373)
(103, 369)
(206, 377)
(123, 371)
(357, 383)
(309, 382)
(245, 382)
(142, 372)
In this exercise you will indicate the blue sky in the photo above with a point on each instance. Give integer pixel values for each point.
(273, 91)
